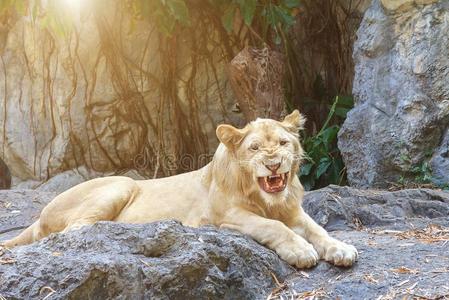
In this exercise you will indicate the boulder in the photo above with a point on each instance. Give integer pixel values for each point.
(165, 260)
(162, 260)
(398, 129)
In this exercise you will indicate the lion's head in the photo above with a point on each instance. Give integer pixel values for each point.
(265, 155)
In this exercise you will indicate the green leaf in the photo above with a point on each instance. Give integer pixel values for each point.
(291, 3)
(166, 25)
(342, 112)
(228, 18)
(178, 9)
(305, 169)
(248, 9)
(284, 16)
(325, 162)
(330, 115)
(329, 135)
(347, 101)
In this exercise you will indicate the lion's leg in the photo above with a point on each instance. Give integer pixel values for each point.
(330, 249)
(102, 204)
(27, 236)
(275, 235)
(87, 203)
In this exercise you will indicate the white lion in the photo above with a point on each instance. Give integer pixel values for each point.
(250, 186)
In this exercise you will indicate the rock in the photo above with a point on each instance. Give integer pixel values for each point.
(389, 267)
(65, 180)
(260, 93)
(394, 5)
(19, 209)
(164, 260)
(343, 208)
(399, 124)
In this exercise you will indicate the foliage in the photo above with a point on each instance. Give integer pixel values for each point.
(277, 16)
(323, 163)
(420, 174)
(272, 18)
(53, 15)
(228, 25)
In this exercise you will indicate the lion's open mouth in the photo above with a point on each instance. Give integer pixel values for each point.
(274, 183)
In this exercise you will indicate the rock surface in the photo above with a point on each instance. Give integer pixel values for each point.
(166, 260)
(154, 261)
(401, 87)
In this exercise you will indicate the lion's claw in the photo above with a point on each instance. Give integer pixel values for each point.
(298, 253)
(341, 254)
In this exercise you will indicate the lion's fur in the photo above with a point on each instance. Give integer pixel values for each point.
(223, 193)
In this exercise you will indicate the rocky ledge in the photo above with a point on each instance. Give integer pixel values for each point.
(402, 238)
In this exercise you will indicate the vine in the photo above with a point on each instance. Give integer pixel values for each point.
(160, 104)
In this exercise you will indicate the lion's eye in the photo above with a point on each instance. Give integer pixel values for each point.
(254, 147)
(283, 142)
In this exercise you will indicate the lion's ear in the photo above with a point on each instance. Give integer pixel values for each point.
(294, 121)
(229, 135)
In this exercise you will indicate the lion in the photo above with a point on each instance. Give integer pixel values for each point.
(251, 186)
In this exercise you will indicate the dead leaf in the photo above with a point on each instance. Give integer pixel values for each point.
(6, 261)
(369, 278)
(431, 234)
(404, 270)
(304, 274)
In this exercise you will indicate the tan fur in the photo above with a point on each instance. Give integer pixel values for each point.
(224, 193)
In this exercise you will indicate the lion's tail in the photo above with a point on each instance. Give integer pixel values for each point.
(25, 237)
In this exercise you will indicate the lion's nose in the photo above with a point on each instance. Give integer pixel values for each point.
(274, 167)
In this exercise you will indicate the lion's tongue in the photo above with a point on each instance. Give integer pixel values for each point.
(273, 183)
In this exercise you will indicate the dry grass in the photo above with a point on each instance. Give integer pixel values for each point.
(404, 270)
(283, 291)
(7, 261)
(431, 234)
(394, 186)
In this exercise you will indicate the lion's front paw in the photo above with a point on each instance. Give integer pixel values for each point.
(340, 254)
(298, 253)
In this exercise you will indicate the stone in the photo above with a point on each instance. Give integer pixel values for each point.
(256, 76)
(19, 209)
(165, 260)
(401, 5)
(345, 208)
(395, 4)
(401, 89)
(162, 260)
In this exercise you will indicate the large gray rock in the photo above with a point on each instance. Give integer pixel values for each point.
(152, 261)
(401, 90)
(165, 260)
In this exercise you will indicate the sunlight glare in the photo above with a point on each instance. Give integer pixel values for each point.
(74, 4)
